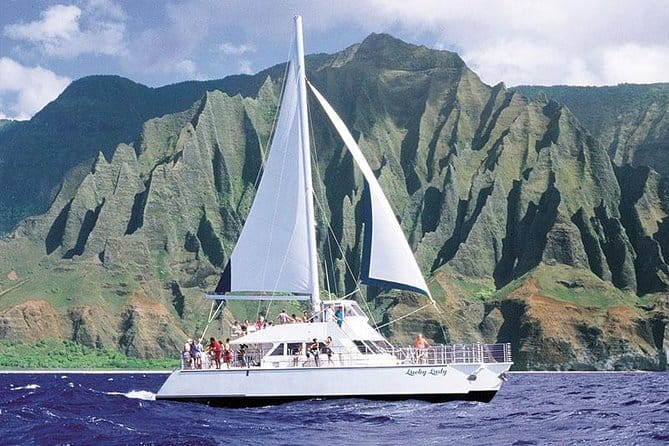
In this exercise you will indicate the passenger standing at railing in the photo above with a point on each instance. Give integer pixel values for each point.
(421, 348)
(339, 317)
(227, 353)
(215, 352)
(315, 349)
(186, 354)
(329, 345)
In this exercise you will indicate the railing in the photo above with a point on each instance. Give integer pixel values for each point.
(436, 355)
(455, 354)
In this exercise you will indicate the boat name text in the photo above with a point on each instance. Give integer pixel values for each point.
(424, 372)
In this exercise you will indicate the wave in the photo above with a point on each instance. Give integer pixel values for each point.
(27, 387)
(136, 394)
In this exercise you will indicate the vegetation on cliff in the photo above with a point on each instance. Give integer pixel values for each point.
(514, 209)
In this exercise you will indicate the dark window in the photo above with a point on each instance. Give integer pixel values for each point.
(278, 351)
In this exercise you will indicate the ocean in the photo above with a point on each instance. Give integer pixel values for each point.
(60, 408)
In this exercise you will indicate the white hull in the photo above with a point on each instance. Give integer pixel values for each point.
(261, 386)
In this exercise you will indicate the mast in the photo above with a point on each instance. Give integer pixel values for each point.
(306, 157)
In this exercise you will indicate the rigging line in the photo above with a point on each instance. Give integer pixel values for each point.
(334, 237)
(212, 316)
(369, 312)
(356, 290)
(404, 316)
(332, 266)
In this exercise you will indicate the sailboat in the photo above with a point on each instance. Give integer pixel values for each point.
(275, 258)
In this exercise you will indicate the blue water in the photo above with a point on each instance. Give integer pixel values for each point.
(574, 408)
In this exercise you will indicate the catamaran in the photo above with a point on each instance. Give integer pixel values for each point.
(275, 258)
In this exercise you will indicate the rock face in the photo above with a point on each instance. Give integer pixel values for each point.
(631, 121)
(488, 184)
(549, 335)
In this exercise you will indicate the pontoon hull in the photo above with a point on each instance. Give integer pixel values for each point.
(268, 386)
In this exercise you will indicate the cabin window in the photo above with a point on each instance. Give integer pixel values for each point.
(294, 347)
(279, 350)
(366, 347)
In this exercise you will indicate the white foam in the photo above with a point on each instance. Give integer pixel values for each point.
(136, 394)
(29, 386)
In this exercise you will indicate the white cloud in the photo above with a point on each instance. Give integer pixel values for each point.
(186, 67)
(634, 63)
(229, 48)
(542, 42)
(67, 31)
(245, 67)
(26, 90)
(59, 22)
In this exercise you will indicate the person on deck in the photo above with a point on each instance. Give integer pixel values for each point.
(242, 356)
(196, 353)
(215, 352)
(227, 353)
(329, 314)
(186, 354)
(283, 317)
(235, 329)
(329, 345)
(421, 347)
(296, 356)
(339, 317)
(315, 349)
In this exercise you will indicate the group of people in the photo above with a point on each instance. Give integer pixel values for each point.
(314, 349)
(328, 315)
(215, 355)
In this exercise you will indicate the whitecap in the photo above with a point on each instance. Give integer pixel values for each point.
(29, 387)
(136, 394)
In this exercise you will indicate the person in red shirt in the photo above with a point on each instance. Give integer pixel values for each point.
(215, 352)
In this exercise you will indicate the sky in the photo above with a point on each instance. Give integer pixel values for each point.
(46, 44)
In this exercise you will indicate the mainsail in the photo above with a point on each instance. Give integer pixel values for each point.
(272, 255)
(276, 249)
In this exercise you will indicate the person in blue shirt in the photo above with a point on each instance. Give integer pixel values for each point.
(339, 317)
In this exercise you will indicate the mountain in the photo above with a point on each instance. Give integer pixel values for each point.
(631, 121)
(93, 115)
(514, 209)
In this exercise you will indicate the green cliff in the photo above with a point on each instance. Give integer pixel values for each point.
(513, 207)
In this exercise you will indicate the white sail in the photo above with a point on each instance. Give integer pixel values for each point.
(272, 255)
(275, 254)
(387, 258)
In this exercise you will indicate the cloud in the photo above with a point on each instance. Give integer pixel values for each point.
(229, 48)
(634, 63)
(245, 67)
(547, 42)
(26, 90)
(66, 31)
